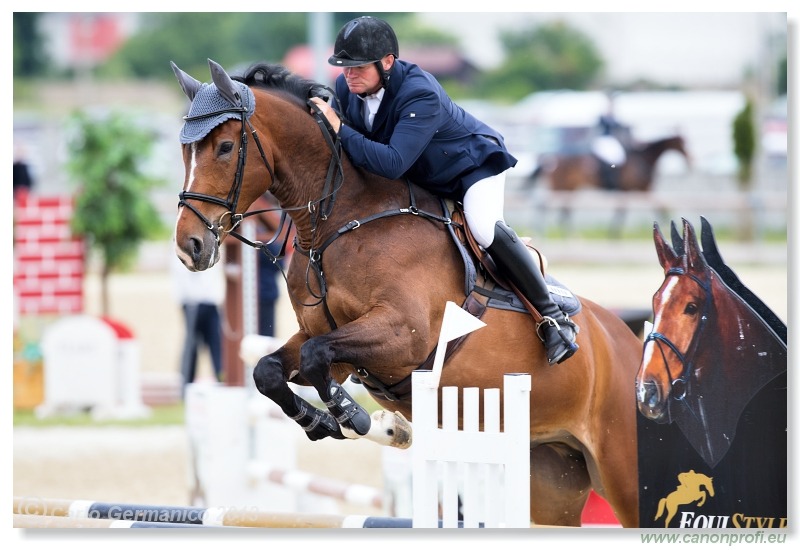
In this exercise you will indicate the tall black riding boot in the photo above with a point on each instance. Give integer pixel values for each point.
(515, 262)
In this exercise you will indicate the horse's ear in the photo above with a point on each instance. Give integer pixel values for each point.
(694, 258)
(709, 242)
(666, 256)
(189, 85)
(225, 86)
(677, 239)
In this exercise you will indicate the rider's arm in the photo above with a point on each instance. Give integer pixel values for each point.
(415, 123)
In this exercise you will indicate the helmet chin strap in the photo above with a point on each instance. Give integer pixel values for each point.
(384, 74)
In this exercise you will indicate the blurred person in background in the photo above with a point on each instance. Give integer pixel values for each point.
(269, 271)
(609, 145)
(22, 179)
(200, 295)
(398, 122)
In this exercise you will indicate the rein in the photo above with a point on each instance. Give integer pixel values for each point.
(681, 384)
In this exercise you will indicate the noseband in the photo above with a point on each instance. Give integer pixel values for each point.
(680, 386)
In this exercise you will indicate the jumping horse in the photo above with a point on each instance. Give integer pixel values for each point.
(713, 345)
(375, 263)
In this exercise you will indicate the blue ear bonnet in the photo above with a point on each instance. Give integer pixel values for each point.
(208, 100)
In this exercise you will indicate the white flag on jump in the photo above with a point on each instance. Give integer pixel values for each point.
(456, 323)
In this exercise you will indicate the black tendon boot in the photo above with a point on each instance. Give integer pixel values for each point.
(515, 262)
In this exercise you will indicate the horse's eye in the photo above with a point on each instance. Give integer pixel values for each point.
(225, 147)
(691, 308)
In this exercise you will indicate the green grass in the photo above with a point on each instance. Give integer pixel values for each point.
(170, 415)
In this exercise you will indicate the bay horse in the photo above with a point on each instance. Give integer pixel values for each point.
(575, 172)
(713, 344)
(582, 171)
(374, 265)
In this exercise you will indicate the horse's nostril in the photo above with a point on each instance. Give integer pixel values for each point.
(195, 250)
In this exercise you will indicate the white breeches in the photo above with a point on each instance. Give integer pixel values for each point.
(483, 207)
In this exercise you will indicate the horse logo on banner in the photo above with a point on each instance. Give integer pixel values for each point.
(693, 487)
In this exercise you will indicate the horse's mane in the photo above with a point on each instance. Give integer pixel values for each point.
(276, 77)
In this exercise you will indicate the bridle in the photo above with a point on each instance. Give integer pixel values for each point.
(232, 200)
(680, 386)
(321, 207)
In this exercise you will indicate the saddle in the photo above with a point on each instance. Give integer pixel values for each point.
(484, 280)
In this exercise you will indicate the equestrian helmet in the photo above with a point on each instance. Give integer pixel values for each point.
(362, 41)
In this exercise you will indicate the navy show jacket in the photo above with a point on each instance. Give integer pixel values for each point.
(419, 133)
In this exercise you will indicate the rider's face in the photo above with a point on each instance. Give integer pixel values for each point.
(365, 79)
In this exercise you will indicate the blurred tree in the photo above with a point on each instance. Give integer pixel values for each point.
(233, 39)
(744, 147)
(782, 86)
(547, 57)
(113, 211)
(29, 55)
(744, 143)
(189, 39)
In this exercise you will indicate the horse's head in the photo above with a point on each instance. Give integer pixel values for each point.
(681, 308)
(215, 149)
(678, 144)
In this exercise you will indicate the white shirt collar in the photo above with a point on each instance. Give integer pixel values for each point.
(376, 96)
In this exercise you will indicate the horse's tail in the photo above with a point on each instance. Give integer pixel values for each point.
(661, 505)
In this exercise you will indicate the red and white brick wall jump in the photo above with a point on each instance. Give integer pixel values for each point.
(48, 259)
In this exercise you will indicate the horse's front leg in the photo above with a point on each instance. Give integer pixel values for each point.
(271, 375)
(316, 358)
(362, 343)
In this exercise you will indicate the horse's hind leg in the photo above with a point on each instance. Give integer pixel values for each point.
(560, 485)
(270, 380)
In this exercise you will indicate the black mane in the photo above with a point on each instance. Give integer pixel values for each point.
(270, 76)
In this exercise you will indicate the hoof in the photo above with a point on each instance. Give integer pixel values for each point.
(390, 429)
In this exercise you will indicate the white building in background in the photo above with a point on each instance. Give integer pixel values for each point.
(695, 50)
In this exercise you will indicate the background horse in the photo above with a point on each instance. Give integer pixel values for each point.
(711, 348)
(373, 267)
(574, 172)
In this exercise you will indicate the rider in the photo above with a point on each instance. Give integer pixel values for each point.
(398, 121)
(609, 148)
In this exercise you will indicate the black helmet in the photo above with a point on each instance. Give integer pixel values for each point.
(363, 40)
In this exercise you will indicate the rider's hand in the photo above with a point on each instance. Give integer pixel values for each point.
(330, 114)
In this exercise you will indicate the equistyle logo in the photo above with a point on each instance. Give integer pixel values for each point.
(692, 488)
